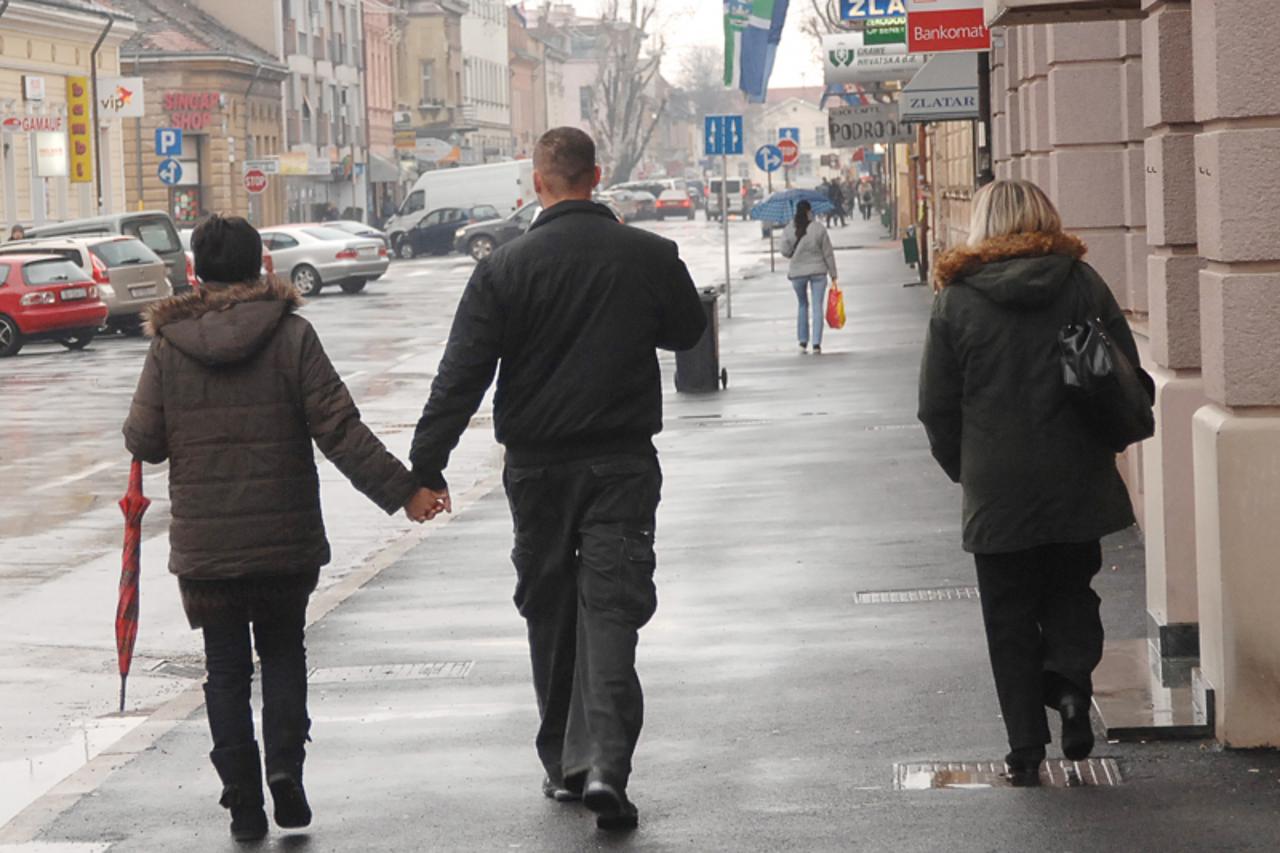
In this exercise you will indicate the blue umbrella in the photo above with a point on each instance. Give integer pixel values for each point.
(781, 206)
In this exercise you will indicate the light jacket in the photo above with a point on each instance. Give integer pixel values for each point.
(812, 255)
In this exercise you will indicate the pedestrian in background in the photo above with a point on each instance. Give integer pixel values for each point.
(813, 258)
(571, 315)
(1040, 490)
(17, 233)
(866, 199)
(835, 195)
(234, 390)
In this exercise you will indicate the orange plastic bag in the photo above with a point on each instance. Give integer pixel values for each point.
(835, 307)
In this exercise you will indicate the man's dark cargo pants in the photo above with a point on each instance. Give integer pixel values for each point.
(584, 584)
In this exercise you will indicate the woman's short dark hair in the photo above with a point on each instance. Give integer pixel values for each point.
(227, 249)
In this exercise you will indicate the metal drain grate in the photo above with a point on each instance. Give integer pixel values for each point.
(912, 596)
(177, 669)
(927, 775)
(391, 672)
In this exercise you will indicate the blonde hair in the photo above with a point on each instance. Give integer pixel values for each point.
(1012, 207)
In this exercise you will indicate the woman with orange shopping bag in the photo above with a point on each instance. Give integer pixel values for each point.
(813, 258)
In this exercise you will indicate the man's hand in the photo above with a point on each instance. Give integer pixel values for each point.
(426, 504)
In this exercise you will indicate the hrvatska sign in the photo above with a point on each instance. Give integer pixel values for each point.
(941, 26)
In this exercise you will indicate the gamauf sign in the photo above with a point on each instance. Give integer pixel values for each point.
(855, 127)
(845, 59)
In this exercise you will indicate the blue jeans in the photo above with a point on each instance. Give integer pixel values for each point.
(810, 290)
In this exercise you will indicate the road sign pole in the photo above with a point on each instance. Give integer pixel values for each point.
(769, 180)
(724, 216)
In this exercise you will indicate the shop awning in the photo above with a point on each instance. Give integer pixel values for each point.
(946, 89)
(382, 170)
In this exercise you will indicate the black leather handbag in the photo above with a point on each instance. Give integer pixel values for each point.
(1114, 397)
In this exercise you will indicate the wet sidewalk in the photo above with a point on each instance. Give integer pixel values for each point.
(814, 636)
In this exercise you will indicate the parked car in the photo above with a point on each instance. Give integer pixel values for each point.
(360, 229)
(129, 276)
(676, 203)
(434, 233)
(315, 256)
(479, 240)
(153, 227)
(47, 297)
(626, 202)
(268, 263)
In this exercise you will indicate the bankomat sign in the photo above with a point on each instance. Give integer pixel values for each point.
(940, 26)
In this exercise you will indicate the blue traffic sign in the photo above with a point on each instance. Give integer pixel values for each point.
(792, 133)
(723, 135)
(769, 158)
(169, 141)
(170, 172)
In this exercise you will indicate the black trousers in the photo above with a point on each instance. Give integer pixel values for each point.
(227, 689)
(1044, 631)
(584, 562)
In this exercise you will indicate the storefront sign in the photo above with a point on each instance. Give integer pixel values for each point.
(298, 163)
(33, 88)
(51, 154)
(855, 127)
(945, 90)
(266, 167)
(430, 149)
(847, 60)
(862, 10)
(192, 111)
(120, 97)
(30, 124)
(80, 121)
(937, 26)
(885, 31)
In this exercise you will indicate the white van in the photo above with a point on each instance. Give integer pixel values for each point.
(507, 186)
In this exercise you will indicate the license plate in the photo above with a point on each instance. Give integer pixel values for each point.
(368, 253)
(142, 291)
(74, 293)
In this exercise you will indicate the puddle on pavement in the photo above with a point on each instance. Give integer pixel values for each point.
(24, 780)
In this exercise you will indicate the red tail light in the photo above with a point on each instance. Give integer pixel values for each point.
(101, 275)
(686, 203)
(269, 262)
(348, 255)
(192, 281)
(382, 252)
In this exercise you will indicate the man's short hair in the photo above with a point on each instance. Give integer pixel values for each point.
(227, 249)
(566, 157)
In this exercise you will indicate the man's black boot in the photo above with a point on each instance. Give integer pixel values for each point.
(1077, 728)
(1023, 766)
(613, 810)
(240, 769)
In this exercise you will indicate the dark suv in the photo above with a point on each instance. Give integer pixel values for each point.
(479, 240)
(434, 234)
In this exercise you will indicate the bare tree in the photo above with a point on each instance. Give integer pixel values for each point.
(702, 79)
(629, 99)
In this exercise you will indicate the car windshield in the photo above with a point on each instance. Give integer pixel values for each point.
(121, 253)
(327, 234)
(52, 272)
(159, 235)
(484, 211)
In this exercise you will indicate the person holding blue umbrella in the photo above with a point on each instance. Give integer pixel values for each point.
(813, 258)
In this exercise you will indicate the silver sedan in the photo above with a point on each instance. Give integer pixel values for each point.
(315, 256)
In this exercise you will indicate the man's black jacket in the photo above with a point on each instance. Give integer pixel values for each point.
(574, 311)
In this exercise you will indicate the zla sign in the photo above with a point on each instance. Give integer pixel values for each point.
(861, 10)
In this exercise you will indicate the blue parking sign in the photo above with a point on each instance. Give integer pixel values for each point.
(169, 141)
(723, 135)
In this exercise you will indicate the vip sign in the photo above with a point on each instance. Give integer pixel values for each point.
(939, 26)
(80, 137)
(121, 97)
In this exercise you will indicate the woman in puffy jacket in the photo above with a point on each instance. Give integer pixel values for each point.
(808, 245)
(1040, 488)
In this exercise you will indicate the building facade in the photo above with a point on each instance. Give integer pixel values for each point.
(380, 33)
(52, 165)
(429, 84)
(486, 83)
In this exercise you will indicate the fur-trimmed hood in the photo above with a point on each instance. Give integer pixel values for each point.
(1018, 268)
(223, 325)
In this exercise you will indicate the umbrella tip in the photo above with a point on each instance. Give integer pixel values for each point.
(122, 683)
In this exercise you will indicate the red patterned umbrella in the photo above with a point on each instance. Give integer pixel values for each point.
(134, 506)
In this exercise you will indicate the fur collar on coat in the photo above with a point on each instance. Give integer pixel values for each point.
(206, 300)
(962, 261)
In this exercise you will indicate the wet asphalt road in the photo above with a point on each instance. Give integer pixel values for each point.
(63, 467)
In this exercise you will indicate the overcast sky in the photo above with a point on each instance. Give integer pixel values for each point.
(701, 22)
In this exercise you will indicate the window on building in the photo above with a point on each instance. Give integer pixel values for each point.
(586, 102)
(820, 137)
(426, 68)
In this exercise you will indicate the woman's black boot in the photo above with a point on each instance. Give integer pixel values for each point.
(1023, 766)
(240, 769)
(286, 752)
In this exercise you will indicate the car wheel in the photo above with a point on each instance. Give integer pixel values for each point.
(307, 280)
(10, 337)
(353, 286)
(480, 247)
(404, 249)
(77, 340)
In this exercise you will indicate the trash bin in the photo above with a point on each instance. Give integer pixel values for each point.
(910, 247)
(698, 370)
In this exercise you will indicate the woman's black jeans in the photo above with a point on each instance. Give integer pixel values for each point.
(1044, 631)
(229, 661)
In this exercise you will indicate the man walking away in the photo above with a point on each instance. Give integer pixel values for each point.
(570, 315)
(836, 196)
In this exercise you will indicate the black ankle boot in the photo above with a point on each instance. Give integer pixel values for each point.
(1023, 766)
(1077, 727)
(285, 756)
(240, 770)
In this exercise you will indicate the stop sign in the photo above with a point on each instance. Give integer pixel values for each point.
(790, 151)
(255, 181)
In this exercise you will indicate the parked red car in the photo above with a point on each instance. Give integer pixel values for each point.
(47, 297)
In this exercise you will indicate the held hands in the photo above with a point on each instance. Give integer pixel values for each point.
(426, 504)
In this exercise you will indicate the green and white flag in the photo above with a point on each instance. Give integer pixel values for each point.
(737, 13)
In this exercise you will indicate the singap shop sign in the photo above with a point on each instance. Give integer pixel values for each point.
(192, 111)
